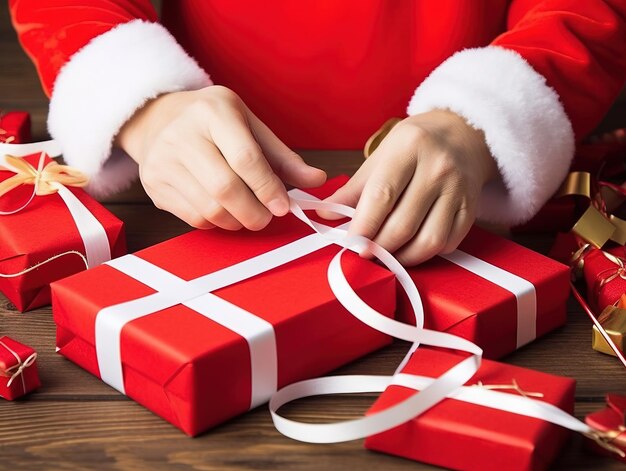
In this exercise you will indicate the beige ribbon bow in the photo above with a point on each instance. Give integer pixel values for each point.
(45, 178)
(17, 370)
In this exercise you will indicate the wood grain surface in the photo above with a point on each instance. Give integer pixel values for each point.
(76, 422)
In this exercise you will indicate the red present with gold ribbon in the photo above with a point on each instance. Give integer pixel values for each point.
(467, 436)
(605, 278)
(612, 421)
(18, 369)
(14, 127)
(50, 228)
(491, 291)
(209, 324)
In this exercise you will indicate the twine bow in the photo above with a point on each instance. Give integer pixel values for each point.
(513, 386)
(3, 133)
(17, 370)
(45, 178)
(4, 138)
(612, 440)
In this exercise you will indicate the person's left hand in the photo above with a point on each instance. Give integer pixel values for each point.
(416, 195)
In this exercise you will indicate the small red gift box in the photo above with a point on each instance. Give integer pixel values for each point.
(15, 127)
(605, 278)
(50, 225)
(204, 353)
(611, 419)
(491, 291)
(18, 369)
(465, 436)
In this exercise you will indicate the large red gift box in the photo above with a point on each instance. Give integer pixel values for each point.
(18, 369)
(190, 368)
(465, 436)
(15, 127)
(43, 229)
(463, 303)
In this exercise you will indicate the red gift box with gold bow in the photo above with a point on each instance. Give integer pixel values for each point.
(50, 228)
(466, 436)
(207, 325)
(14, 127)
(18, 369)
(491, 291)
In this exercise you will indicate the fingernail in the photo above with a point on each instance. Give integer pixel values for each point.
(278, 207)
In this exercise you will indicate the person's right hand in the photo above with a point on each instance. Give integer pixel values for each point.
(206, 158)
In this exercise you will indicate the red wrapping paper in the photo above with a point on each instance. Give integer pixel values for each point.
(602, 277)
(8, 361)
(464, 436)
(43, 229)
(195, 373)
(15, 127)
(462, 303)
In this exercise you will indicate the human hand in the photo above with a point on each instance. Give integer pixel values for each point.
(206, 158)
(416, 195)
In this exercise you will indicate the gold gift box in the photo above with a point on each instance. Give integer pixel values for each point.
(613, 320)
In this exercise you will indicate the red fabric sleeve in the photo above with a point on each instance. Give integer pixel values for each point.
(51, 31)
(578, 46)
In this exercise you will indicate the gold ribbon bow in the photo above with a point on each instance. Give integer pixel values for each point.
(45, 178)
(611, 274)
(17, 370)
(596, 226)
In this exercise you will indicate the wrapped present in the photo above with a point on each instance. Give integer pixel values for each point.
(49, 231)
(612, 421)
(18, 369)
(14, 127)
(482, 438)
(491, 291)
(605, 278)
(207, 325)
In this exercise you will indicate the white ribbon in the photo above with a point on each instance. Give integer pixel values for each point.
(450, 384)
(523, 290)
(91, 231)
(196, 294)
(171, 291)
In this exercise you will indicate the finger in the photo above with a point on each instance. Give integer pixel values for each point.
(233, 137)
(432, 235)
(207, 166)
(406, 218)
(168, 199)
(463, 221)
(287, 165)
(380, 194)
(196, 197)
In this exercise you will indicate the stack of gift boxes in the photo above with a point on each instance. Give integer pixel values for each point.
(253, 312)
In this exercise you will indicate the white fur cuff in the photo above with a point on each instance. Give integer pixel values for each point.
(525, 125)
(101, 87)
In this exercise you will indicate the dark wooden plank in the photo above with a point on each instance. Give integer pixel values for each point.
(123, 435)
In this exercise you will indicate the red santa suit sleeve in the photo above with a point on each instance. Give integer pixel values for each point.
(543, 83)
(116, 44)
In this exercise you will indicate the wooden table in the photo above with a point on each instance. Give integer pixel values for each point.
(77, 422)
